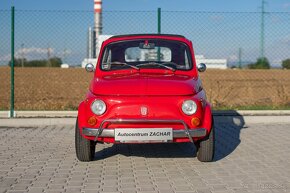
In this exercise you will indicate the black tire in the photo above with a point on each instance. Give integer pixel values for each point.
(206, 147)
(85, 149)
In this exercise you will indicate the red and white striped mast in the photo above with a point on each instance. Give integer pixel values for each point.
(98, 22)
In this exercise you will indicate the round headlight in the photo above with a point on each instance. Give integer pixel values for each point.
(98, 107)
(189, 107)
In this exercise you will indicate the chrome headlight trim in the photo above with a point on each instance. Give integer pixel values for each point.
(189, 107)
(98, 107)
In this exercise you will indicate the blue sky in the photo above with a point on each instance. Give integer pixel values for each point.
(214, 34)
(129, 5)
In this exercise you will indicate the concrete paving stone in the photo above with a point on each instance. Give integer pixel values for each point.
(147, 187)
(109, 189)
(20, 187)
(3, 190)
(128, 191)
(76, 178)
(24, 182)
(166, 191)
(78, 173)
(220, 187)
(56, 186)
(241, 190)
(146, 179)
(203, 190)
(243, 155)
(54, 191)
(110, 183)
(75, 183)
(91, 186)
(58, 181)
(127, 180)
(127, 186)
(8, 181)
(28, 176)
(223, 191)
(42, 178)
(73, 190)
(63, 171)
(65, 176)
(40, 184)
(93, 180)
(90, 190)
(164, 186)
(35, 190)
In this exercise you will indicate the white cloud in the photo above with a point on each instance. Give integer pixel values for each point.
(30, 54)
(33, 52)
(5, 58)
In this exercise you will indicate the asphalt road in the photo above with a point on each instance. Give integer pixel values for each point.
(251, 156)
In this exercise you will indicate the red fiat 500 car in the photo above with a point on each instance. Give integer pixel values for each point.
(146, 89)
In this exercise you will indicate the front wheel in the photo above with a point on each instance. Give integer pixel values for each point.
(85, 149)
(206, 147)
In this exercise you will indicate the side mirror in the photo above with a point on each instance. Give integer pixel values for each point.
(90, 67)
(201, 67)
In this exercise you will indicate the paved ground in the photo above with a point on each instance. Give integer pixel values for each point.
(250, 157)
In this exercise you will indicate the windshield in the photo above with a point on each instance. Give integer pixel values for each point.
(146, 53)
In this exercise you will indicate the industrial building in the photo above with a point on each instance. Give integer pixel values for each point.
(96, 38)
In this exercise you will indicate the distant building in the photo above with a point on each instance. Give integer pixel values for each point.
(64, 66)
(91, 50)
(211, 63)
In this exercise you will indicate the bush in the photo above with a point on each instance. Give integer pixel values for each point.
(262, 63)
(52, 62)
(286, 63)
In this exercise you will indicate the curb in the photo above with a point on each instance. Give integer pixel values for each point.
(73, 114)
(251, 112)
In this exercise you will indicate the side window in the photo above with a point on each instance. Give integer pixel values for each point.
(186, 61)
(106, 62)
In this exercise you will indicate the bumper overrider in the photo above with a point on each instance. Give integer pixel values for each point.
(109, 132)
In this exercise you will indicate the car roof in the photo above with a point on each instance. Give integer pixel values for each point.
(149, 34)
(146, 36)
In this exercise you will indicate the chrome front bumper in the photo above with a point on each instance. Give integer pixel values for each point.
(104, 132)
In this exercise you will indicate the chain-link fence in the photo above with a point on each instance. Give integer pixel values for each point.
(49, 38)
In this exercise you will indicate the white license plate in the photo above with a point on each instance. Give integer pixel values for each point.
(143, 135)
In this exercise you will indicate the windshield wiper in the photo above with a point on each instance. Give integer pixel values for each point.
(123, 64)
(156, 64)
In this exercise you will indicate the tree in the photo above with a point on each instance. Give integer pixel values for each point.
(262, 63)
(286, 63)
(18, 62)
(54, 62)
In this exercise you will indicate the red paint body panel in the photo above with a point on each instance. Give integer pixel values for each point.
(162, 91)
(143, 84)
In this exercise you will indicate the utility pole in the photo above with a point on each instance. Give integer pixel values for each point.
(48, 56)
(22, 55)
(262, 50)
(240, 58)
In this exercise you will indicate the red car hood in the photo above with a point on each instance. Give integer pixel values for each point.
(140, 84)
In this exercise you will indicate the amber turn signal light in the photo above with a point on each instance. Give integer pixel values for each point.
(195, 121)
(92, 121)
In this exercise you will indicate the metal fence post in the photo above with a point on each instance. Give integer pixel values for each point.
(158, 30)
(159, 20)
(12, 63)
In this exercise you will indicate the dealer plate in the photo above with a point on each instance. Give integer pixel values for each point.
(143, 134)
